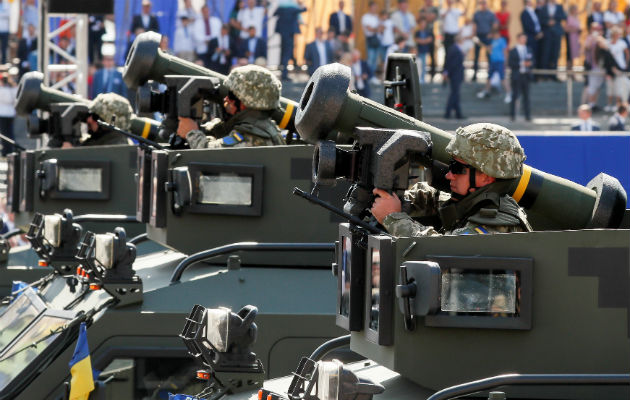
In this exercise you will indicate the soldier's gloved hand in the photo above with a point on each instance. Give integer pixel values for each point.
(186, 125)
(384, 204)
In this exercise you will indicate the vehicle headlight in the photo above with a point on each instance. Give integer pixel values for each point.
(217, 328)
(104, 249)
(52, 229)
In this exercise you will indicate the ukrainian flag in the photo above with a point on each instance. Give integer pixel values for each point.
(82, 382)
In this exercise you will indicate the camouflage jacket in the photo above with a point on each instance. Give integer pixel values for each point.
(248, 128)
(481, 212)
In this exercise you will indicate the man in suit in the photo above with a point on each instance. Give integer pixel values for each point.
(520, 61)
(551, 17)
(361, 74)
(253, 47)
(108, 79)
(586, 123)
(454, 73)
(596, 15)
(145, 20)
(531, 27)
(318, 52)
(287, 25)
(220, 50)
(206, 28)
(340, 21)
(26, 45)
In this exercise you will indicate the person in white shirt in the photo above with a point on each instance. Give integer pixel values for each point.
(371, 28)
(586, 124)
(450, 23)
(618, 85)
(404, 22)
(220, 49)
(4, 28)
(8, 90)
(386, 35)
(30, 15)
(251, 15)
(205, 28)
(184, 43)
(618, 121)
(612, 17)
(189, 11)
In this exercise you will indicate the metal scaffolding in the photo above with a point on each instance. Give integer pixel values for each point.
(53, 60)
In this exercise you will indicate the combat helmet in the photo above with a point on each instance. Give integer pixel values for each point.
(490, 148)
(256, 87)
(108, 105)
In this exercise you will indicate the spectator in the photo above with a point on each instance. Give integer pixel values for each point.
(340, 21)
(67, 46)
(594, 46)
(532, 29)
(371, 26)
(617, 84)
(485, 21)
(454, 74)
(108, 79)
(335, 45)
(618, 121)
(498, 54)
(627, 37)
(8, 90)
(221, 50)
(552, 17)
(520, 61)
(450, 25)
(318, 52)
(430, 13)
(95, 37)
(612, 17)
(503, 18)
(586, 123)
(596, 15)
(404, 22)
(287, 25)
(574, 29)
(253, 48)
(206, 28)
(235, 25)
(386, 34)
(188, 11)
(360, 74)
(399, 46)
(424, 38)
(467, 33)
(26, 45)
(30, 15)
(251, 15)
(146, 20)
(5, 13)
(184, 41)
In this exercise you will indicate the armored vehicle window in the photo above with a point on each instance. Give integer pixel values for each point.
(225, 189)
(481, 293)
(17, 316)
(80, 179)
(375, 267)
(31, 344)
(346, 254)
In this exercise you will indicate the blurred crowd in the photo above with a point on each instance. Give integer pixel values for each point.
(602, 42)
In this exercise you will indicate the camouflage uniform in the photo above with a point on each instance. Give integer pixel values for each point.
(259, 91)
(493, 150)
(106, 106)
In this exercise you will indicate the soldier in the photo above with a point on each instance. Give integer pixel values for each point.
(104, 107)
(485, 157)
(254, 93)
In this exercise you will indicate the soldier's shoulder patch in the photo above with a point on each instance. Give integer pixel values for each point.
(233, 139)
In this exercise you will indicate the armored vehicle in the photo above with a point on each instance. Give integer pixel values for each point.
(536, 315)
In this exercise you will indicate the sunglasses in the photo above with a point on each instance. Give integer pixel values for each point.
(457, 168)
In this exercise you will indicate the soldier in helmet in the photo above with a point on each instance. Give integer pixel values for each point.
(485, 157)
(254, 93)
(104, 107)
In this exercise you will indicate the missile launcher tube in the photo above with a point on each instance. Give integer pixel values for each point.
(147, 62)
(32, 94)
(551, 202)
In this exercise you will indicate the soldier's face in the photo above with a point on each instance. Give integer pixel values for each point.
(229, 105)
(460, 183)
(92, 125)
